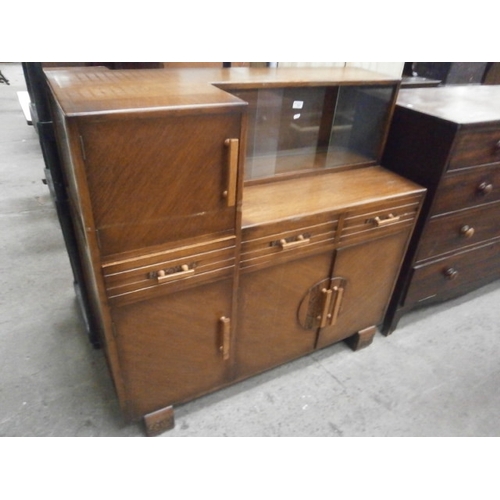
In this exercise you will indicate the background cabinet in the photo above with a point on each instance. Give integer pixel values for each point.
(448, 139)
(203, 272)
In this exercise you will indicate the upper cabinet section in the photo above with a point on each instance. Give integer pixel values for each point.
(300, 129)
(155, 156)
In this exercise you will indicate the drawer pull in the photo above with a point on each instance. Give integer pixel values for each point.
(391, 219)
(450, 273)
(485, 188)
(162, 276)
(467, 231)
(497, 148)
(301, 240)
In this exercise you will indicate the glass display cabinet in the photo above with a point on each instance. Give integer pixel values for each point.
(229, 220)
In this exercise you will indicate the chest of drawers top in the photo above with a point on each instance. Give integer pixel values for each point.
(467, 105)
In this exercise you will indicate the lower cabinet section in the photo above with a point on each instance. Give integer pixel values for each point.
(174, 347)
(292, 308)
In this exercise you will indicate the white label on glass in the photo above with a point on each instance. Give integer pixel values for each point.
(298, 104)
(296, 116)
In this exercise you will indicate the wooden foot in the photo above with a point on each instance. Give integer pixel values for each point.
(361, 339)
(391, 322)
(159, 421)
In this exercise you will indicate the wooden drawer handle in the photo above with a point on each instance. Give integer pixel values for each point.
(497, 147)
(391, 219)
(450, 273)
(467, 231)
(301, 240)
(485, 188)
(162, 276)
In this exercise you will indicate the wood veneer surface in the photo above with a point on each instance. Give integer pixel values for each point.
(463, 104)
(265, 203)
(82, 91)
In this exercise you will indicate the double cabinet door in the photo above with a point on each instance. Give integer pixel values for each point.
(291, 309)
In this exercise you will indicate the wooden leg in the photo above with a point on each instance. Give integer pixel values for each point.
(361, 339)
(391, 322)
(159, 421)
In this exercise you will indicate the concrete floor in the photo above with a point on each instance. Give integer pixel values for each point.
(437, 375)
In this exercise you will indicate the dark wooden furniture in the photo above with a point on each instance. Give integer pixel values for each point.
(448, 140)
(229, 220)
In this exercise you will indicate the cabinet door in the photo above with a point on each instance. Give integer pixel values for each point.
(159, 180)
(169, 347)
(269, 331)
(367, 273)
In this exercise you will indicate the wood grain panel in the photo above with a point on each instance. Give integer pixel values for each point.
(268, 331)
(476, 148)
(455, 275)
(154, 181)
(169, 347)
(455, 231)
(371, 271)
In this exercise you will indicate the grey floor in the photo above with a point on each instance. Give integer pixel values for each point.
(437, 375)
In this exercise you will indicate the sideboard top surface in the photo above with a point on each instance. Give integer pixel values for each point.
(460, 104)
(268, 203)
(98, 90)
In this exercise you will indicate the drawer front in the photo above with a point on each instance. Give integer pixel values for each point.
(476, 148)
(170, 271)
(455, 231)
(375, 221)
(468, 188)
(453, 275)
(286, 240)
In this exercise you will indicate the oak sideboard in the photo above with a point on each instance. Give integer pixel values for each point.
(229, 220)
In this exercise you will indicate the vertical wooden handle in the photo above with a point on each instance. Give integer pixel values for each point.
(326, 307)
(339, 292)
(225, 327)
(232, 175)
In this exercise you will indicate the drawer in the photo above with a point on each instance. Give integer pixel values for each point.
(375, 221)
(476, 147)
(451, 276)
(455, 231)
(288, 239)
(168, 271)
(468, 188)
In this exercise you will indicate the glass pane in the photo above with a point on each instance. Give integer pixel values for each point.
(359, 124)
(294, 129)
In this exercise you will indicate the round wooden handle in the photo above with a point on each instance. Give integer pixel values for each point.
(485, 188)
(467, 231)
(451, 273)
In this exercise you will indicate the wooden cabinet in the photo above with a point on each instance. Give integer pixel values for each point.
(229, 220)
(448, 139)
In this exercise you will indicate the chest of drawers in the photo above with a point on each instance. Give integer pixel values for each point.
(448, 139)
